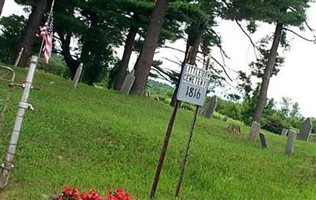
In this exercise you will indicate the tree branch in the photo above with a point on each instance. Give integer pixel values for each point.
(223, 67)
(308, 26)
(248, 36)
(161, 74)
(302, 37)
(168, 59)
(219, 45)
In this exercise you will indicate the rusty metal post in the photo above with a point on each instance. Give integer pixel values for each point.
(164, 150)
(186, 153)
(23, 105)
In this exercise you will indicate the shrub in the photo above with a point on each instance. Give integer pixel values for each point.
(55, 66)
(274, 123)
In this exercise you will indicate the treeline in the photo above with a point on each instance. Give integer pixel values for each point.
(276, 115)
(89, 32)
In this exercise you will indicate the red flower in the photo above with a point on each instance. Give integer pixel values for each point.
(69, 194)
(73, 194)
(120, 194)
(92, 195)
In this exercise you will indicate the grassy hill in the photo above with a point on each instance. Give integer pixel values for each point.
(96, 138)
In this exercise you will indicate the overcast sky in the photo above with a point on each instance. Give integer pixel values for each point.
(296, 80)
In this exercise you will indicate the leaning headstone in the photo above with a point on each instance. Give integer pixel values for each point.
(19, 57)
(289, 150)
(263, 140)
(128, 82)
(77, 76)
(284, 132)
(254, 131)
(305, 130)
(209, 109)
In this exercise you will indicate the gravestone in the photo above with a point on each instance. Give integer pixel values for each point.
(263, 140)
(254, 131)
(305, 130)
(289, 150)
(284, 132)
(128, 82)
(233, 128)
(209, 109)
(77, 76)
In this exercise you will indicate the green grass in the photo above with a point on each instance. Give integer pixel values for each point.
(97, 138)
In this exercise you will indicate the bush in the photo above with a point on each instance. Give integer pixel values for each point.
(56, 66)
(274, 123)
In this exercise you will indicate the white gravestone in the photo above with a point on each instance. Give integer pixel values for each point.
(77, 76)
(289, 150)
(305, 130)
(128, 82)
(254, 131)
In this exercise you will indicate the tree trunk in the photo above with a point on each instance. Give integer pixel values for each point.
(1, 6)
(146, 57)
(267, 73)
(128, 49)
(30, 31)
(72, 64)
(191, 51)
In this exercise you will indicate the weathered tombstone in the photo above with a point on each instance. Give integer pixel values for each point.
(128, 82)
(254, 131)
(305, 130)
(289, 150)
(233, 128)
(263, 140)
(77, 76)
(284, 132)
(209, 109)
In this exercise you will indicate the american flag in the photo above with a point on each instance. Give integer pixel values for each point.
(47, 35)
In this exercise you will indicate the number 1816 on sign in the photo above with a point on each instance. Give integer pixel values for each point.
(193, 92)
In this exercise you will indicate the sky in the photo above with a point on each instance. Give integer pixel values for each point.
(296, 79)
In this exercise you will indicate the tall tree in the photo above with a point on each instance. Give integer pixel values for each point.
(146, 57)
(29, 34)
(281, 13)
(128, 49)
(11, 28)
(64, 11)
(1, 6)
(267, 73)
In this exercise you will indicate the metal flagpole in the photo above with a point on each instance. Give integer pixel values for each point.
(23, 105)
(50, 12)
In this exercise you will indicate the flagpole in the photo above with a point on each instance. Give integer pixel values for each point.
(42, 44)
(40, 50)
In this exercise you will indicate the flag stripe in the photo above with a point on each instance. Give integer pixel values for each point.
(47, 35)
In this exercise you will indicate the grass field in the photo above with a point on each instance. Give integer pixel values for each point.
(97, 138)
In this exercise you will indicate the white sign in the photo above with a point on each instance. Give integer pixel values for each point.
(193, 85)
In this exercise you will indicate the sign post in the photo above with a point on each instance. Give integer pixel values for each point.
(164, 150)
(186, 154)
(192, 89)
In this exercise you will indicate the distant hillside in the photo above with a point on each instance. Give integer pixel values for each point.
(155, 87)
